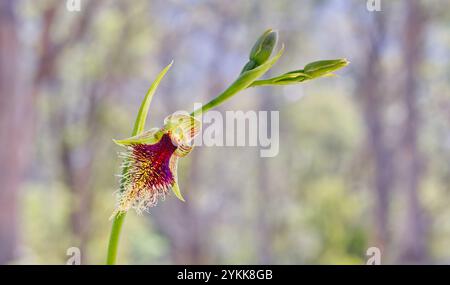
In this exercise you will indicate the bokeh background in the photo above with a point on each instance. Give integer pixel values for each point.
(364, 156)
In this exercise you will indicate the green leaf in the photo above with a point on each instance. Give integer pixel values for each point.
(141, 118)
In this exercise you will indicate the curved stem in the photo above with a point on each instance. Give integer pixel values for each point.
(225, 95)
(114, 238)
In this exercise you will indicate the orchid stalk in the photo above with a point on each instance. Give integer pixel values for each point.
(149, 168)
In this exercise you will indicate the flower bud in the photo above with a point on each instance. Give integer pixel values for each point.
(312, 70)
(263, 47)
(261, 50)
(324, 67)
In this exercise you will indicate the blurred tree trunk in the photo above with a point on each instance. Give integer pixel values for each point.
(76, 175)
(14, 122)
(77, 162)
(372, 101)
(412, 243)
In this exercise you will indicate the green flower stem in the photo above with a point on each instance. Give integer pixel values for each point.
(114, 238)
(215, 102)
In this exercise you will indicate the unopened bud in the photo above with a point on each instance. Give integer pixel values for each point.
(263, 47)
(324, 67)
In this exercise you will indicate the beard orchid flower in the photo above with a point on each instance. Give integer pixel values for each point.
(150, 162)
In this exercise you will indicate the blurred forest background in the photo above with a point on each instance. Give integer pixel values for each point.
(364, 157)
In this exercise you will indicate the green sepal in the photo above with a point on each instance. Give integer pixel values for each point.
(141, 118)
(148, 137)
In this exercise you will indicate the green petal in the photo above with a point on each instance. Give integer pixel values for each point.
(148, 137)
(139, 125)
(176, 191)
(182, 127)
(175, 188)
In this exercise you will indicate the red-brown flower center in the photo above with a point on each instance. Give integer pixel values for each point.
(151, 164)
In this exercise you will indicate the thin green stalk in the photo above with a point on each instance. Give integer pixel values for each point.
(215, 102)
(114, 238)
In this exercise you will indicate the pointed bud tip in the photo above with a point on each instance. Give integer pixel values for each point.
(345, 62)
